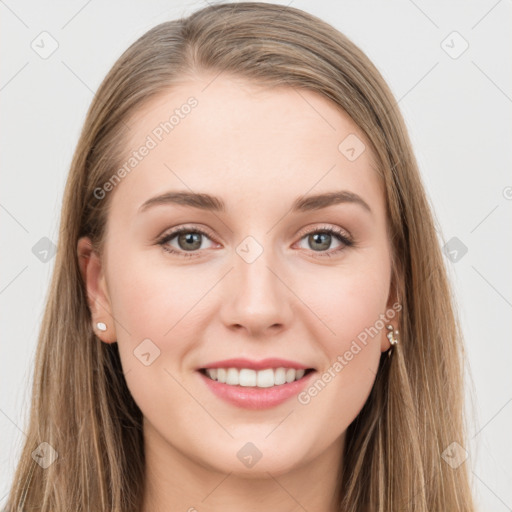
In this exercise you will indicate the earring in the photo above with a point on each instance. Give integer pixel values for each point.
(392, 336)
(101, 326)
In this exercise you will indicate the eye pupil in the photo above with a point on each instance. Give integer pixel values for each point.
(190, 237)
(326, 243)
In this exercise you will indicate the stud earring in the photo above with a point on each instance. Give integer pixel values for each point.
(101, 326)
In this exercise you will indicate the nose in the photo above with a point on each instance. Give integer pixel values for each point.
(258, 298)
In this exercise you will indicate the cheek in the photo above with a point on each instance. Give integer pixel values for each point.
(338, 393)
(156, 309)
(351, 305)
(163, 303)
(348, 300)
(149, 300)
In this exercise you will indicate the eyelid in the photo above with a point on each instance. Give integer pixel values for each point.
(324, 227)
(187, 227)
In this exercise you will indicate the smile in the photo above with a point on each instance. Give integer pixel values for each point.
(247, 377)
(247, 388)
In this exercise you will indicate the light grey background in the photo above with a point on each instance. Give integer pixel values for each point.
(457, 108)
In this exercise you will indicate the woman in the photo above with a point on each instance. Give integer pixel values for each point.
(249, 308)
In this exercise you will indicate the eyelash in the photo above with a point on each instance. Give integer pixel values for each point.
(338, 234)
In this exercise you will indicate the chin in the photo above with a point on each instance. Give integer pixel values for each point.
(257, 458)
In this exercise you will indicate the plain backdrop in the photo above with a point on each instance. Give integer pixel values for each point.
(449, 67)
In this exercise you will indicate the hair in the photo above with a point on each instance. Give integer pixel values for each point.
(81, 404)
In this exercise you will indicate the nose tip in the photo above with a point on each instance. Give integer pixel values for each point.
(259, 300)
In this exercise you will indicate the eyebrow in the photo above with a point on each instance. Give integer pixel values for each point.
(212, 203)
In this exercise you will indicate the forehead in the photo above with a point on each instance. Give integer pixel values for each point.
(244, 142)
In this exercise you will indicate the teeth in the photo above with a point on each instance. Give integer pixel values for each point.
(232, 377)
(221, 374)
(261, 379)
(247, 377)
(290, 375)
(279, 376)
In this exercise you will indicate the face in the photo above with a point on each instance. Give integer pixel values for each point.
(304, 286)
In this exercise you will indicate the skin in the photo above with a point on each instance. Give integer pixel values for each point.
(257, 149)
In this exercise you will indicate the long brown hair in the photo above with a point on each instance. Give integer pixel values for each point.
(81, 405)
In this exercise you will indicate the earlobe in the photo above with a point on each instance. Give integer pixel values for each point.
(98, 299)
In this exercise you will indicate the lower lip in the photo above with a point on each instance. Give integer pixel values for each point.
(256, 398)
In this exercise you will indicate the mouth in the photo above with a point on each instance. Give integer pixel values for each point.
(250, 378)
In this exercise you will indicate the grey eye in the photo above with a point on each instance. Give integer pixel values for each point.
(189, 241)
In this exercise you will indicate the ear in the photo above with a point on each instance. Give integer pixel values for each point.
(393, 308)
(97, 293)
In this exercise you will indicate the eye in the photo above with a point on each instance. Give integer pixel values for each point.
(188, 239)
(321, 239)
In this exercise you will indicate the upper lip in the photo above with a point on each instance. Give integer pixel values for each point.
(256, 365)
